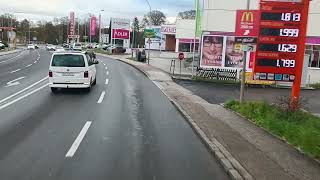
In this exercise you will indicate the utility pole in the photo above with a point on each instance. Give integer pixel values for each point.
(100, 25)
(244, 69)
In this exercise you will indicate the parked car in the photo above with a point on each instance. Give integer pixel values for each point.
(72, 70)
(77, 47)
(2, 46)
(51, 47)
(106, 46)
(31, 47)
(116, 49)
(36, 46)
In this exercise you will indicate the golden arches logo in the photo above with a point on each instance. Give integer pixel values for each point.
(247, 17)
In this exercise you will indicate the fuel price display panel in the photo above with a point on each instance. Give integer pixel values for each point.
(278, 42)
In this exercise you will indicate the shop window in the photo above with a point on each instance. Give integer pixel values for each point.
(314, 52)
(187, 47)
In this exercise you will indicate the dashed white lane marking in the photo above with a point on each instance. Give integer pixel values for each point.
(25, 89)
(106, 68)
(15, 71)
(101, 97)
(107, 81)
(35, 62)
(78, 140)
(22, 97)
(29, 65)
(107, 72)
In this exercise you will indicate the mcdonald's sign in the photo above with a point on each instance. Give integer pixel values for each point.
(247, 23)
(247, 17)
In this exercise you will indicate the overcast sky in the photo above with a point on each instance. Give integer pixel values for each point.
(48, 9)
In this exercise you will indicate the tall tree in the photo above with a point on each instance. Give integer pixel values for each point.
(154, 18)
(191, 14)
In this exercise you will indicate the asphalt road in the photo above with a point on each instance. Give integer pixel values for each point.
(220, 93)
(124, 129)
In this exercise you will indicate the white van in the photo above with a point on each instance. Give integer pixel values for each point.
(72, 70)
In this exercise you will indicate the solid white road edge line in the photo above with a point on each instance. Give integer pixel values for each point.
(101, 97)
(78, 140)
(15, 71)
(29, 65)
(25, 89)
(22, 97)
(107, 81)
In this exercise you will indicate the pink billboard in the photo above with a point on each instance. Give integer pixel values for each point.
(120, 34)
(71, 31)
(93, 26)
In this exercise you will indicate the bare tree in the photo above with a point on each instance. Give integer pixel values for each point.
(191, 14)
(154, 18)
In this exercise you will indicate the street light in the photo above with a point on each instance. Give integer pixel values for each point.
(149, 38)
(100, 25)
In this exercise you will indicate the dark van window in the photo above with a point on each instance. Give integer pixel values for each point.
(68, 60)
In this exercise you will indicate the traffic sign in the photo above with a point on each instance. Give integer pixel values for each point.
(181, 56)
(149, 33)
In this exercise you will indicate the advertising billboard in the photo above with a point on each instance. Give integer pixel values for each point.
(71, 24)
(159, 41)
(279, 48)
(247, 22)
(93, 26)
(233, 57)
(212, 51)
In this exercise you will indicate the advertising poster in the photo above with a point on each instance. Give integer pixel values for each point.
(212, 50)
(233, 56)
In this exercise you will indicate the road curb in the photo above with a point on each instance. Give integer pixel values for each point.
(232, 167)
(11, 52)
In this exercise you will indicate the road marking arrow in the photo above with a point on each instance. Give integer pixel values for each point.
(14, 82)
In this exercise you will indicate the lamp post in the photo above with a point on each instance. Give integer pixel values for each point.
(149, 41)
(100, 25)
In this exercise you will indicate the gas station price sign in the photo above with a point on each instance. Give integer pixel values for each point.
(279, 40)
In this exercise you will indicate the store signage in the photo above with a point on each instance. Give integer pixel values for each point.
(279, 45)
(247, 23)
(120, 34)
(120, 23)
(71, 26)
(168, 30)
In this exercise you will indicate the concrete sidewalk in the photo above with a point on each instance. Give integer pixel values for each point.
(244, 150)
(10, 52)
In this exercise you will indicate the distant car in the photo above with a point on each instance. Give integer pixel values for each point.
(116, 49)
(2, 46)
(31, 47)
(72, 70)
(36, 46)
(90, 46)
(77, 47)
(59, 49)
(106, 46)
(51, 47)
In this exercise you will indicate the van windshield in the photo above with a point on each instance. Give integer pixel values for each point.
(68, 60)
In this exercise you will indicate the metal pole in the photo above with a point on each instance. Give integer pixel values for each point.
(100, 26)
(244, 69)
(90, 30)
(243, 78)
(149, 51)
(180, 69)
(29, 32)
(194, 43)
